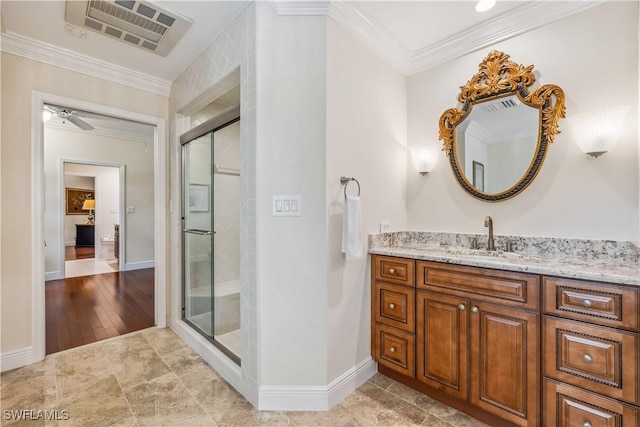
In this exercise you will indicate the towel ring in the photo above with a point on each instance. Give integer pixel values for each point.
(345, 181)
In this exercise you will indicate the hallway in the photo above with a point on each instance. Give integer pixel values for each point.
(152, 378)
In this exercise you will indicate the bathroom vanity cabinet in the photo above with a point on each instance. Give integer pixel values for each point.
(591, 353)
(509, 348)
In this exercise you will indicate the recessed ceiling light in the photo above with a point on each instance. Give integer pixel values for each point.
(484, 5)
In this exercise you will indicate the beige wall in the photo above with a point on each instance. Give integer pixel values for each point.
(19, 78)
(366, 139)
(593, 57)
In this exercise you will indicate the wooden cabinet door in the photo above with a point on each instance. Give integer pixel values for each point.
(442, 342)
(505, 368)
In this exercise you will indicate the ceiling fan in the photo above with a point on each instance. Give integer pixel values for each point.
(70, 115)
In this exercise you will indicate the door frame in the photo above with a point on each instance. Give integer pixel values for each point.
(121, 203)
(160, 191)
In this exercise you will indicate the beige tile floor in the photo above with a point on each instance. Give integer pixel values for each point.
(151, 378)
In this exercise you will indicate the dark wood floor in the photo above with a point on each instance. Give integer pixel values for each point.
(82, 310)
(74, 252)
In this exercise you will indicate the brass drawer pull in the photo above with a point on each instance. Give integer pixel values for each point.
(392, 270)
(392, 349)
(587, 358)
(587, 303)
(392, 306)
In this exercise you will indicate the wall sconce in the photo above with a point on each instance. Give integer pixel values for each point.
(89, 205)
(424, 156)
(596, 132)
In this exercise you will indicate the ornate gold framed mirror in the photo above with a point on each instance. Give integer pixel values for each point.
(497, 141)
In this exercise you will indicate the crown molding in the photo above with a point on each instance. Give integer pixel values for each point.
(376, 37)
(513, 23)
(479, 132)
(301, 7)
(43, 52)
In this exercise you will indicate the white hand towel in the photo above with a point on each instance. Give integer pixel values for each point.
(352, 228)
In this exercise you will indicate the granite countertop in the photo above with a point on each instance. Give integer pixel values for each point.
(598, 260)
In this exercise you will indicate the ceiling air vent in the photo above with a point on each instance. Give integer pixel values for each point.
(500, 104)
(137, 23)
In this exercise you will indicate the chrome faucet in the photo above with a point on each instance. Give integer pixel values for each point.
(488, 222)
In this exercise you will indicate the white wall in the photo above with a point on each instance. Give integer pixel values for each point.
(366, 139)
(19, 76)
(292, 160)
(593, 57)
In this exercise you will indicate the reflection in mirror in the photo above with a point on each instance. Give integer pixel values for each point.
(495, 143)
(497, 140)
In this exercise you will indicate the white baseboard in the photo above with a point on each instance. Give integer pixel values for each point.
(15, 358)
(139, 265)
(214, 357)
(71, 243)
(316, 398)
(53, 275)
(348, 382)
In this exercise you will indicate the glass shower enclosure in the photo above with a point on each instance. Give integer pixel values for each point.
(211, 230)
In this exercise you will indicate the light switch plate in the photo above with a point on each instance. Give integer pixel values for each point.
(385, 227)
(287, 205)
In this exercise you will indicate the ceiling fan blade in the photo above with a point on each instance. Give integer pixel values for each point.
(80, 123)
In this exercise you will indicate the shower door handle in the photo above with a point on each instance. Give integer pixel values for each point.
(199, 232)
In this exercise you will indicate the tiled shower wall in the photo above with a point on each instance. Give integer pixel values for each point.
(233, 48)
(226, 205)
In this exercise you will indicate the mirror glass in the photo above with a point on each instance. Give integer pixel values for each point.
(496, 143)
(498, 138)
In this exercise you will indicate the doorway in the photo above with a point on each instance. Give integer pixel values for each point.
(91, 218)
(155, 187)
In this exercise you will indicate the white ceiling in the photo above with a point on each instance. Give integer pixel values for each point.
(417, 24)
(103, 125)
(43, 22)
(411, 35)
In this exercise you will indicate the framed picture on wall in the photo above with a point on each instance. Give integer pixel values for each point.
(198, 198)
(478, 175)
(75, 198)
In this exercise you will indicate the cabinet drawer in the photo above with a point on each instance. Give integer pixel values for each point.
(394, 305)
(497, 286)
(600, 303)
(394, 270)
(566, 406)
(394, 349)
(592, 357)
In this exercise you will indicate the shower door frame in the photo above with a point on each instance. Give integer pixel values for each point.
(222, 120)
